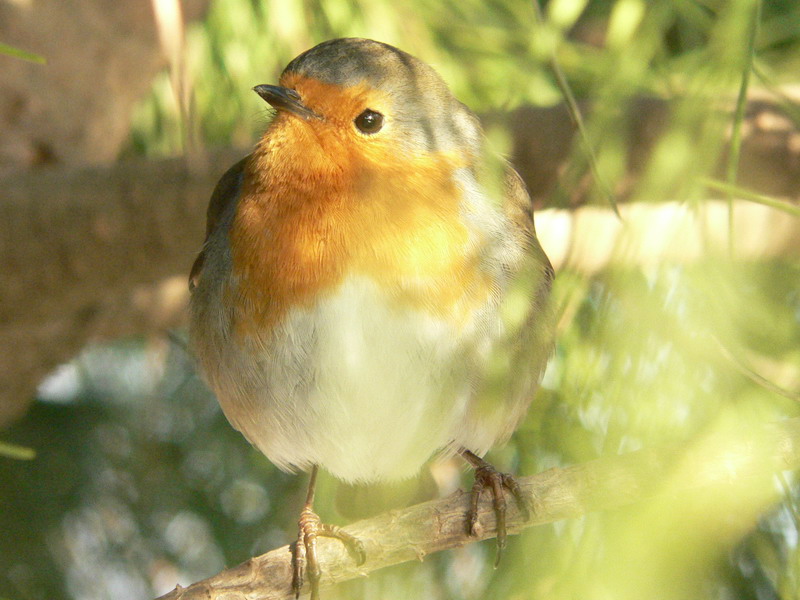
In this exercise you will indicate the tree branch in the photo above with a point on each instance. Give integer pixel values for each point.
(589, 239)
(94, 254)
(726, 462)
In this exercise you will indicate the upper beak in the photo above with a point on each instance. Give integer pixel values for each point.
(282, 98)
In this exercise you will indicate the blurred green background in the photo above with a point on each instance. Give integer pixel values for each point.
(139, 482)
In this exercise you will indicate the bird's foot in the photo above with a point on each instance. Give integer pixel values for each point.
(305, 563)
(489, 478)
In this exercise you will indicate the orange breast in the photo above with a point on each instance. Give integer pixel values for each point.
(305, 223)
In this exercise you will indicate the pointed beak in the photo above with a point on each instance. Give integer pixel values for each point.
(281, 98)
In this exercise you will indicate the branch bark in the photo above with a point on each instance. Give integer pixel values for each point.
(94, 254)
(725, 463)
(589, 239)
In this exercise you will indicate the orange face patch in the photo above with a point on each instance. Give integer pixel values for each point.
(322, 202)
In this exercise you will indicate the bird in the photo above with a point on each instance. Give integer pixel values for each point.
(371, 294)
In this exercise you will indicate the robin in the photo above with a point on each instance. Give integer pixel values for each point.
(365, 298)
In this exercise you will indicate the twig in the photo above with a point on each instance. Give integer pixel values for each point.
(576, 116)
(732, 168)
(719, 463)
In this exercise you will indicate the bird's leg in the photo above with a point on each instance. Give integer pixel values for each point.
(305, 562)
(487, 477)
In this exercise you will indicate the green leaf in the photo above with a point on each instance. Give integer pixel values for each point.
(22, 54)
(18, 452)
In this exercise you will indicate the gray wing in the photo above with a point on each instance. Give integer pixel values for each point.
(534, 334)
(226, 194)
(519, 357)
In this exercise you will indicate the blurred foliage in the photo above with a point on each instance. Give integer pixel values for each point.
(139, 482)
(481, 48)
(21, 54)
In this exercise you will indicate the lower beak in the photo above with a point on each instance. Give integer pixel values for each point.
(281, 98)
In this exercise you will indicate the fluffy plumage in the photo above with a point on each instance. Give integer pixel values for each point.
(361, 303)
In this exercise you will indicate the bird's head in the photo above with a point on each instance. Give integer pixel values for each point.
(355, 102)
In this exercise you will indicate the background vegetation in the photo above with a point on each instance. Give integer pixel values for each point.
(139, 482)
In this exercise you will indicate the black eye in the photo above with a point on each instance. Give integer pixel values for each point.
(369, 121)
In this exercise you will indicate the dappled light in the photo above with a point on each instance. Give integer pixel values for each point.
(678, 317)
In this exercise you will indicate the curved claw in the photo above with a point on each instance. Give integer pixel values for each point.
(305, 563)
(489, 478)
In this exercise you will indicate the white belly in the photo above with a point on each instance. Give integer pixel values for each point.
(358, 385)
